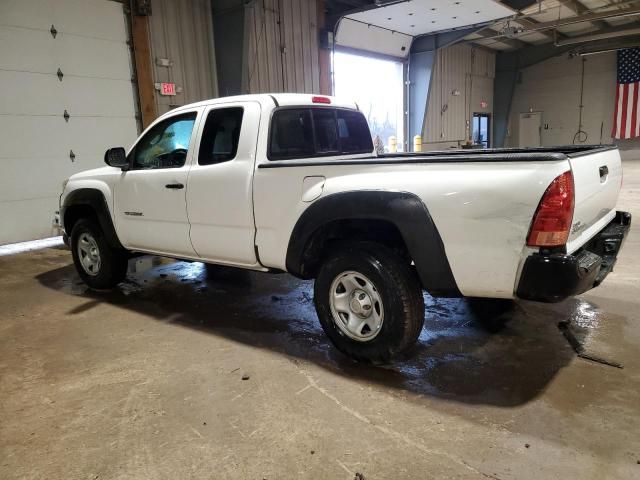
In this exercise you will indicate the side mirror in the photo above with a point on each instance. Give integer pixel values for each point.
(116, 157)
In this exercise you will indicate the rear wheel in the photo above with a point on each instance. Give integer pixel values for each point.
(99, 265)
(369, 302)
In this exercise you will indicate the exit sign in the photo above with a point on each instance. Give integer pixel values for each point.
(167, 89)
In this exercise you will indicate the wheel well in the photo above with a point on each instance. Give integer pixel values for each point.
(330, 235)
(77, 212)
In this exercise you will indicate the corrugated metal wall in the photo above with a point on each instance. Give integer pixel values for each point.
(182, 32)
(281, 47)
(469, 71)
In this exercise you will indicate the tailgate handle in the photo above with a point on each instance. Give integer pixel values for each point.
(604, 171)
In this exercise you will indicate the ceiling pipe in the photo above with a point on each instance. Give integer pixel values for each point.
(597, 52)
(598, 36)
(588, 17)
(604, 47)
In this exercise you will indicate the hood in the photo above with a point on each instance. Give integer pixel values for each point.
(95, 172)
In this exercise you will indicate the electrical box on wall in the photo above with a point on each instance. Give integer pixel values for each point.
(142, 8)
(326, 39)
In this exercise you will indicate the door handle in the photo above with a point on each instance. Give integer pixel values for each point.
(174, 186)
(604, 171)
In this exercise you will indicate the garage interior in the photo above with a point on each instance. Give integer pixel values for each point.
(181, 373)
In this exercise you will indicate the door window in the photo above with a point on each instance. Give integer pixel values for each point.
(480, 130)
(220, 136)
(166, 144)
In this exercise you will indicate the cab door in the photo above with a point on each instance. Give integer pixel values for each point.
(150, 198)
(219, 194)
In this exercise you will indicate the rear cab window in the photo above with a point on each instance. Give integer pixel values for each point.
(305, 132)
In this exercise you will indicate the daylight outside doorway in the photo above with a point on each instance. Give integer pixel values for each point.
(376, 85)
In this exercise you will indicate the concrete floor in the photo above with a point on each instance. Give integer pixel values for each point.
(147, 382)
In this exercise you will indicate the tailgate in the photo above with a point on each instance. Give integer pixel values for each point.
(597, 177)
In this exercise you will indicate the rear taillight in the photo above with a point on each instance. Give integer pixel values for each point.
(552, 221)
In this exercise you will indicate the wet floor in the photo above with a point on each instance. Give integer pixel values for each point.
(275, 311)
(497, 352)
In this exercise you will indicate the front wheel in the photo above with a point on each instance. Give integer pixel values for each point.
(369, 302)
(99, 265)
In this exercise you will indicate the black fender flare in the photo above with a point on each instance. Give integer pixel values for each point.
(94, 199)
(403, 209)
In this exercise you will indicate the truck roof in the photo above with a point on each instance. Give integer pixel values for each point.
(280, 99)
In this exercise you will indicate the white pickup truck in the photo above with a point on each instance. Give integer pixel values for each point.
(289, 183)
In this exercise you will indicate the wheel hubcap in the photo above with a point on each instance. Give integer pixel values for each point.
(360, 303)
(356, 306)
(89, 254)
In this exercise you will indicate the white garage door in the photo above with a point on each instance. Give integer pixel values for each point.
(89, 48)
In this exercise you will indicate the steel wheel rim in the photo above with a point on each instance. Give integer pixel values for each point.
(89, 254)
(356, 306)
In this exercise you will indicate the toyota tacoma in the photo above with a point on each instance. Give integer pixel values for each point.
(290, 183)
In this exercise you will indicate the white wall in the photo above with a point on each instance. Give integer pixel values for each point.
(469, 70)
(553, 88)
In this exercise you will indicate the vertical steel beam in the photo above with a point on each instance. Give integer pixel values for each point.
(229, 43)
(144, 69)
(504, 85)
(420, 70)
(324, 54)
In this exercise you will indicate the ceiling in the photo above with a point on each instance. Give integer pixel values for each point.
(508, 24)
(420, 17)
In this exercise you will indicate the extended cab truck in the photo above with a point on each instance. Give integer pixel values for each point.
(290, 183)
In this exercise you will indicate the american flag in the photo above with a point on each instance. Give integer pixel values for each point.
(626, 123)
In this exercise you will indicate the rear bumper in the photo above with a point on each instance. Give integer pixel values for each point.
(556, 276)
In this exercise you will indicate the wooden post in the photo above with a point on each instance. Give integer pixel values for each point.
(144, 71)
(324, 54)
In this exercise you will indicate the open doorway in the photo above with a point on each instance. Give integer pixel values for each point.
(377, 86)
(481, 130)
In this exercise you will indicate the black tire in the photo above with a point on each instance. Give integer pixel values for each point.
(112, 267)
(398, 287)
